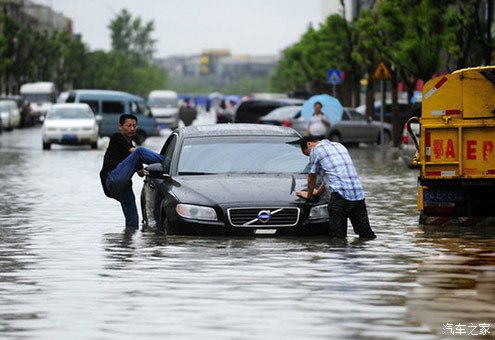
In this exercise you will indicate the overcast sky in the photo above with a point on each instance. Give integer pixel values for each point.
(187, 27)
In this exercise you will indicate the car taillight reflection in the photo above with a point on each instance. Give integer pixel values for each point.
(287, 123)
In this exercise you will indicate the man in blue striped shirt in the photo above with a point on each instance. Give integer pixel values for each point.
(334, 165)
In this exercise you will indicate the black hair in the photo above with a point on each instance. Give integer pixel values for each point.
(303, 141)
(318, 104)
(125, 116)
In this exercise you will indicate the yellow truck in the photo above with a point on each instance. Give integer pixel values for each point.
(456, 148)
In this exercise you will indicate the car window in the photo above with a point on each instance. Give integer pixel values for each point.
(168, 152)
(240, 155)
(93, 104)
(345, 115)
(356, 115)
(284, 112)
(113, 107)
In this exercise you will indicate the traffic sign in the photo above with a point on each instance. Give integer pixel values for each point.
(334, 77)
(382, 72)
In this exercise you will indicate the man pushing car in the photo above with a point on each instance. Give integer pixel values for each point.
(333, 163)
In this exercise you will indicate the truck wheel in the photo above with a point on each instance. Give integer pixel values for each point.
(46, 146)
(94, 145)
(140, 137)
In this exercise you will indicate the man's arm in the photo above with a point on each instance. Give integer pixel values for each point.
(311, 187)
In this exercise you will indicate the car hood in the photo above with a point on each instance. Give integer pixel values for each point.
(240, 190)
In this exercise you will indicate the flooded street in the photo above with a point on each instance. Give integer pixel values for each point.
(68, 270)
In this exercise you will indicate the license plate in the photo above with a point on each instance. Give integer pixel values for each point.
(69, 137)
(265, 231)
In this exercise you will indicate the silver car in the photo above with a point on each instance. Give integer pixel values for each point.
(357, 128)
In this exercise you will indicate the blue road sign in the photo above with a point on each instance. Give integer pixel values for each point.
(334, 77)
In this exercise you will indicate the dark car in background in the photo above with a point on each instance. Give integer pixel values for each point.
(289, 116)
(250, 110)
(356, 128)
(236, 179)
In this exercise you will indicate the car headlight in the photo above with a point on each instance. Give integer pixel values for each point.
(318, 212)
(196, 212)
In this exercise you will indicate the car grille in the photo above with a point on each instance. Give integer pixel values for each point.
(263, 217)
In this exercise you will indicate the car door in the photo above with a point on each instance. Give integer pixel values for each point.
(364, 130)
(152, 192)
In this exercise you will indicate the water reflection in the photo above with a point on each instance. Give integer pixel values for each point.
(456, 286)
(69, 270)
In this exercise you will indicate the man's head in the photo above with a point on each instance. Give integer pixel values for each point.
(128, 125)
(307, 143)
(317, 106)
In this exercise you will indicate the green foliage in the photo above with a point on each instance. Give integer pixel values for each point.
(417, 38)
(132, 38)
(305, 64)
(27, 56)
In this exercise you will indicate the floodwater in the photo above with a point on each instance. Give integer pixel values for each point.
(68, 270)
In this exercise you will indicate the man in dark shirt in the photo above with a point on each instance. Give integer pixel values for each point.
(122, 159)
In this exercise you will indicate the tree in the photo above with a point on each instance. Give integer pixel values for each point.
(132, 38)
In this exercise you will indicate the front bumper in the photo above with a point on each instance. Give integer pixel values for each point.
(307, 227)
(69, 138)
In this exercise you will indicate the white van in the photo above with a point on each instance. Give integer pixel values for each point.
(41, 96)
(164, 105)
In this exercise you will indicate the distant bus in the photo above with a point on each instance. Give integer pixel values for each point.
(41, 96)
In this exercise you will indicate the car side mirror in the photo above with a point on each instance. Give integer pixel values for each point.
(98, 118)
(155, 170)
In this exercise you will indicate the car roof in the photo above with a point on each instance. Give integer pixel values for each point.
(70, 105)
(237, 130)
(106, 93)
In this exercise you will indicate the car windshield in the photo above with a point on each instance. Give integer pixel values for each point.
(247, 155)
(162, 102)
(38, 97)
(70, 113)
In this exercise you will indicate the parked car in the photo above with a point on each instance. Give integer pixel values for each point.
(250, 110)
(408, 148)
(231, 179)
(289, 116)
(356, 128)
(70, 124)
(109, 105)
(164, 105)
(10, 114)
(27, 118)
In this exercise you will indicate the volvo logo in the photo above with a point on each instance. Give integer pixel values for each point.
(264, 216)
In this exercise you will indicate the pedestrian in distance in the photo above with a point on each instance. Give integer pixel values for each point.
(333, 163)
(122, 159)
(318, 125)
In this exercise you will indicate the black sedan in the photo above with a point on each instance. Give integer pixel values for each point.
(231, 179)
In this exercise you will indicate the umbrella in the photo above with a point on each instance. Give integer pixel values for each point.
(331, 108)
